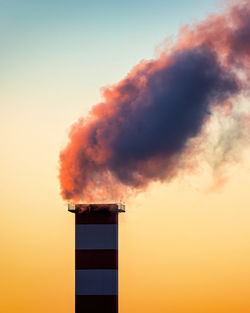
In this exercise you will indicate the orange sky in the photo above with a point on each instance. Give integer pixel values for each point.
(182, 249)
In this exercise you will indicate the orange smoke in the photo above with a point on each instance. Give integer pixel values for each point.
(145, 129)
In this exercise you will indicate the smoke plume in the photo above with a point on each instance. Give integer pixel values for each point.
(148, 125)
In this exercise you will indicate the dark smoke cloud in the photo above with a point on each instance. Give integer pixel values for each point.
(146, 124)
(181, 95)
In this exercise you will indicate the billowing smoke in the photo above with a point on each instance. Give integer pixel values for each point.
(145, 130)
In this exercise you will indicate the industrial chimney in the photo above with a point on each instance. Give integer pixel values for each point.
(96, 257)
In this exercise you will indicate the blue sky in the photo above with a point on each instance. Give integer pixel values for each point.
(69, 49)
(54, 57)
(96, 33)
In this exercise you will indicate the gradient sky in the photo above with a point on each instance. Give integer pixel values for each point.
(182, 249)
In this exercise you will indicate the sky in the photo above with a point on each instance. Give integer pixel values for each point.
(183, 248)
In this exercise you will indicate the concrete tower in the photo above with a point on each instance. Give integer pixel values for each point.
(96, 257)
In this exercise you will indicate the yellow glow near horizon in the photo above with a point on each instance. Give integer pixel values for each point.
(183, 249)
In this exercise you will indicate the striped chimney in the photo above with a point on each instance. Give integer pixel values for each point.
(96, 257)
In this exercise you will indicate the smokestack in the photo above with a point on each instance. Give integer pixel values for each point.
(96, 257)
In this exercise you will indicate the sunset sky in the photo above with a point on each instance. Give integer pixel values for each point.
(184, 246)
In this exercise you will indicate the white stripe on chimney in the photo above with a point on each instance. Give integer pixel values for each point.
(96, 236)
(96, 282)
